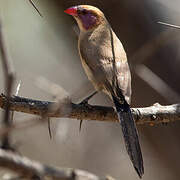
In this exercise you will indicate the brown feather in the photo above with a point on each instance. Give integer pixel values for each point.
(97, 58)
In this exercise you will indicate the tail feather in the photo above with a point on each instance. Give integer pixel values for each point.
(130, 135)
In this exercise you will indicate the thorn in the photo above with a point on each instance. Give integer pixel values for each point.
(32, 3)
(80, 125)
(49, 128)
(85, 103)
(18, 88)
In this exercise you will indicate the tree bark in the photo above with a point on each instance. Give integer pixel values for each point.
(151, 115)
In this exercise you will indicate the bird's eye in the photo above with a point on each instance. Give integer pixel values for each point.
(83, 12)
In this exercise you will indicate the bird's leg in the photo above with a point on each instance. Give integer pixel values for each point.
(85, 102)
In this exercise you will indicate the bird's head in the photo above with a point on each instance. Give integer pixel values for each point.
(87, 17)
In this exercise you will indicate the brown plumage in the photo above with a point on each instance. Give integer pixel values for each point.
(105, 63)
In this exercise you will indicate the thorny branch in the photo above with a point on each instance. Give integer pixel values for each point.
(30, 169)
(152, 115)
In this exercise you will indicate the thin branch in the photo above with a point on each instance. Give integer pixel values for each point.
(148, 115)
(9, 79)
(169, 25)
(156, 83)
(34, 6)
(30, 169)
(152, 46)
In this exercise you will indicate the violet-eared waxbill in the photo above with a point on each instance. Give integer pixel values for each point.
(105, 63)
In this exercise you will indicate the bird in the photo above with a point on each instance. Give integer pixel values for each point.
(105, 63)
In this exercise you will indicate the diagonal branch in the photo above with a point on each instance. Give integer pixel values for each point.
(30, 169)
(158, 84)
(169, 25)
(34, 6)
(152, 115)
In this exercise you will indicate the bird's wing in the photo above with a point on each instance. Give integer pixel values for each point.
(124, 79)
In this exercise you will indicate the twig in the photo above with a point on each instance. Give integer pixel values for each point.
(148, 115)
(151, 47)
(9, 79)
(157, 83)
(169, 25)
(34, 6)
(29, 169)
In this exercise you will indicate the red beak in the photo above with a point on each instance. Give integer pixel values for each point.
(71, 11)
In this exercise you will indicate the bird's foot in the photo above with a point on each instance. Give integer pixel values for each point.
(84, 102)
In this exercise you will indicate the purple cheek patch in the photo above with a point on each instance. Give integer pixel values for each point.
(88, 20)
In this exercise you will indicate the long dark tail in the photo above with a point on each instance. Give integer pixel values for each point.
(130, 135)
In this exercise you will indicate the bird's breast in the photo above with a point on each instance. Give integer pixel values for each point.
(97, 85)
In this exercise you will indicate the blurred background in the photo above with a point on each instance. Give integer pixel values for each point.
(47, 47)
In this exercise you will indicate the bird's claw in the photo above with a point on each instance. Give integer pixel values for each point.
(84, 102)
